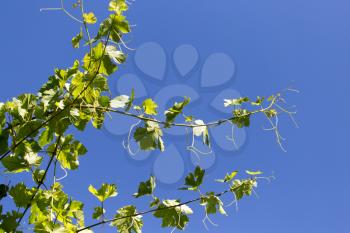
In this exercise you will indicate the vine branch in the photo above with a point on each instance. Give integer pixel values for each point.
(148, 211)
(41, 182)
(191, 125)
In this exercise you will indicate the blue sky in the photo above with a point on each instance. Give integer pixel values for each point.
(273, 44)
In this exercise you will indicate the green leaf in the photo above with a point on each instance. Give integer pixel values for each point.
(21, 195)
(131, 100)
(241, 118)
(9, 221)
(3, 191)
(63, 76)
(104, 192)
(116, 55)
(194, 180)
(258, 102)
(120, 25)
(150, 107)
(38, 175)
(98, 212)
(155, 202)
(212, 204)
(90, 18)
(4, 138)
(115, 26)
(228, 177)
(118, 6)
(2, 116)
(45, 137)
(174, 111)
(149, 137)
(235, 102)
(15, 164)
(189, 118)
(76, 40)
(69, 152)
(172, 214)
(120, 101)
(98, 61)
(146, 188)
(271, 113)
(40, 213)
(126, 224)
(100, 83)
(33, 159)
(243, 187)
(253, 173)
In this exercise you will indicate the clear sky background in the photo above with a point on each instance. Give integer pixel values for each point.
(273, 43)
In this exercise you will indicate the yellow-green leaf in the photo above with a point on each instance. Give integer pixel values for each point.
(150, 107)
(90, 18)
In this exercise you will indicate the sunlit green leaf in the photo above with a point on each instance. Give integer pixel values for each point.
(104, 192)
(194, 180)
(98, 212)
(118, 6)
(76, 40)
(235, 102)
(90, 18)
(243, 187)
(126, 224)
(150, 136)
(173, 214)
(228, 177)
(150, 107)
(174, 111)
(146, 188)
(38, 175)
(15, 164)
(98, 61)
(116, 55)
(21, 195)
(271, 113)
(212, 204)
(253, 173)
(46, 136)
(241, 118)
(69, 152)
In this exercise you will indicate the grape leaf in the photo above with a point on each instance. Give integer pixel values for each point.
(194, 180)
(149, 137)
(90, 18)
(146, 188)
(98, 212)
(174, 111)
(212, 204)
(126, 224)
(228, 177)
(104, 192)
(172, 214)
(149, 106)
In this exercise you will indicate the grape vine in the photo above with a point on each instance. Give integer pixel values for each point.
(34, 138)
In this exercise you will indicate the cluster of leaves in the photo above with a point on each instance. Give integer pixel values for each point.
(34, 138)
(172, 212)
(33, 127)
